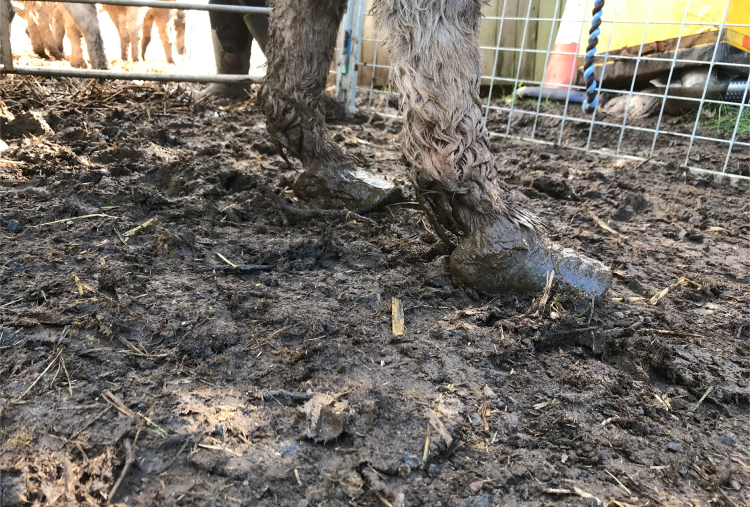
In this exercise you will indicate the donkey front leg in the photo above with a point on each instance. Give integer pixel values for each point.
(436, 66)
(301, 41)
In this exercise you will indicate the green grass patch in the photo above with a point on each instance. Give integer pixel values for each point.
(722, 118)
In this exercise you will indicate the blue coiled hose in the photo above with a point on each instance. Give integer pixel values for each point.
(592, 97)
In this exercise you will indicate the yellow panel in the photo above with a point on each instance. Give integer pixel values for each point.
(630, 28)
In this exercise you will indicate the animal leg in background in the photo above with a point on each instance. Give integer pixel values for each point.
(160, 17)
(85, 19)
(436, 66)
(27, 12)
(46, 22)
(133, 20)
(58, 28)
(161, 25)
(75, 36)
(302, 37)
(179, 29)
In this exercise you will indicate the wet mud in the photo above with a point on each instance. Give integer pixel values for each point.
(131, 350)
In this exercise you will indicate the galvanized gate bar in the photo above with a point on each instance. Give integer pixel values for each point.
(33, 70)
(183, 6)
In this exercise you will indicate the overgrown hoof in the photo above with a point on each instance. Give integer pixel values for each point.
(498, 257)
(336, 185)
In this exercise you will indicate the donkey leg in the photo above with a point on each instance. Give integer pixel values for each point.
(436, 66)
(162, 22)
(301, 41)
(179, 29)
(85, 18)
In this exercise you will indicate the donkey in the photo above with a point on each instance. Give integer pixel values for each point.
(499, 246)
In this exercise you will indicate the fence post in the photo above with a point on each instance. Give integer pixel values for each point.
(348, 59)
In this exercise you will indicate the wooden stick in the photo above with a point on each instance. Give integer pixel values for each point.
(77, 218)
(702, 398)
(129, 460)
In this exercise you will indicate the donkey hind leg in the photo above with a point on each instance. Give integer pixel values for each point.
(162, 22)
(179, 29)
(58, 30)
(133, 16)
(76, 48)
(87, 22)
(46, 16)
(148, 24)
(301, 40)
(37, 42)
(436, 65)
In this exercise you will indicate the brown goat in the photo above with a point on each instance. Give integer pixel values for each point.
(48, 22)
(161, 18)
(127, 21)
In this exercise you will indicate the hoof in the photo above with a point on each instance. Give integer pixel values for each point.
(232, 91)
(498, 257)
(335, 185)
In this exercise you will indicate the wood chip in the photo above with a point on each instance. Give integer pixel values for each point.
(438, 425)
(397, 322)
(682, 281)
(135, 230)
(702, 398)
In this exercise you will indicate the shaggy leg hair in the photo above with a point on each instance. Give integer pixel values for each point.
(436, 67)
(301, 40)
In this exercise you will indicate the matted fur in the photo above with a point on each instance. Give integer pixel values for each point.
(301, 41)
(436, 68)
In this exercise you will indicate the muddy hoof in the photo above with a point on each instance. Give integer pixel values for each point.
(231, 91)
(500, 258)
(334, 185)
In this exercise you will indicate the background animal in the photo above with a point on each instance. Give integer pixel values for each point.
(162, 18)
(128, 21)
(49, 22)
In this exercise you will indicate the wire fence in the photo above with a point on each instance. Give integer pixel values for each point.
(672, 75)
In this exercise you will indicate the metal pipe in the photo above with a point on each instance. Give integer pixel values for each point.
(33, 70)
(185, 6)
(6, 56)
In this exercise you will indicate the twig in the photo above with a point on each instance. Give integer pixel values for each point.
(129, 460)
(386, 502)
(40, 376)
(426, 451)
(148, 223)
(702, 398)
(70, 386)
(618, 482)
(681, 281)
(675, 333)
(601, 224)
(77, 218)
(171, 461)
(313, 213)
(243, 267)
(11, 162)
(545, 295)
(287, 395)
(576, 331)
(232, 264)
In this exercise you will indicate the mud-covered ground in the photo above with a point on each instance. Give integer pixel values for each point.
(137, 357)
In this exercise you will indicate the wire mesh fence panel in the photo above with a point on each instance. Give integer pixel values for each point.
(672, 76)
